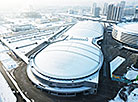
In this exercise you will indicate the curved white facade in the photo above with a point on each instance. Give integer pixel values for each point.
(127, 33)
(67, 67)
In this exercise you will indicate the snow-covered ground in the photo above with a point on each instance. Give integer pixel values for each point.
(6, 94)
(131, 74)
(133, 97)
(3, 48)
(117, 99)
(7, 61)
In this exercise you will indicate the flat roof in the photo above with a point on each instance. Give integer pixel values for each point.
(86, 29)
(115, 63)
(69, 59)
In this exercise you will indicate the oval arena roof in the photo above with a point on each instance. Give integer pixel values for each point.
(69, 59)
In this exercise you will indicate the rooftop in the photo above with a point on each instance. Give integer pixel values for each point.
(130, 27)
(69, 59)
(86, 29)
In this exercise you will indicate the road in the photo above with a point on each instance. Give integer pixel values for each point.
(41, 96)
(18, 96)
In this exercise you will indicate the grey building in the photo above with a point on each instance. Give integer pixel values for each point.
(122, 5)
(136, 14)
(129, 11)
(109, 12)
(115, 12)
(105, 9)
(95, 10)
(126, 33)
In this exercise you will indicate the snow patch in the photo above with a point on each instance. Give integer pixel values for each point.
(131, 74)
(6, 94)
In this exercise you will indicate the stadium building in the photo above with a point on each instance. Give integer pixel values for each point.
(69, 67)
(127, 34)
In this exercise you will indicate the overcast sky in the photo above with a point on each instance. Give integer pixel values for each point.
(11, 4)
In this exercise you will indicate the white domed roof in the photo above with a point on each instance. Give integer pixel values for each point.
(130, 27)
(69, 60)
(86, 29)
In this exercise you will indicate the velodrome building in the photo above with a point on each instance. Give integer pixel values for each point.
(71, 66)
(127, 34)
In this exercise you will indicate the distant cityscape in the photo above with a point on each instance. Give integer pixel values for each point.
(116, 12)
(109, 11)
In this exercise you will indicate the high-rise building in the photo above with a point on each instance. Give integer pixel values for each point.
(109, 12)
(118, 13)
(136, 14)
(115, 12)
(105, 9)
(95, 10)
(122, 5)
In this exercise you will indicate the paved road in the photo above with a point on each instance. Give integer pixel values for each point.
(41, 96)
(19, 98)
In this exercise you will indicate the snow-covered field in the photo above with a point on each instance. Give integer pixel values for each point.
(6, 94)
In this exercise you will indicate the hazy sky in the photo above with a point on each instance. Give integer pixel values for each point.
(12, 4)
